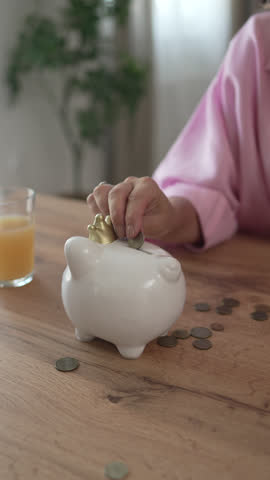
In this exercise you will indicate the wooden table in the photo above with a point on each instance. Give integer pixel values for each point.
(176, 414)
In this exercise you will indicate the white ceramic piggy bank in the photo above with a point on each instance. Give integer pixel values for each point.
(120, 294)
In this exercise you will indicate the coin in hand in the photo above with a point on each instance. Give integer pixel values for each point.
(136, 242)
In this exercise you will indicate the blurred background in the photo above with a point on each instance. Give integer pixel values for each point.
(96, 90)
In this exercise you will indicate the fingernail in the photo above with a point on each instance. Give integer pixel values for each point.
(130, 231)
(119, 231)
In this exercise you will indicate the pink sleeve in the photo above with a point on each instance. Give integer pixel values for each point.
(203, 164)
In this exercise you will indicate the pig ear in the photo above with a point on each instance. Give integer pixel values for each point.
(169, 268)
(81, 255)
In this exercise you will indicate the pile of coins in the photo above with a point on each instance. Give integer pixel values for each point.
(227, 306)
(202, 334)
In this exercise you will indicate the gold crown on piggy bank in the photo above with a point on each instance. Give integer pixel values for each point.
(101, 230)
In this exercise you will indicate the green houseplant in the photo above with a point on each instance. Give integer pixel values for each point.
(97, 77)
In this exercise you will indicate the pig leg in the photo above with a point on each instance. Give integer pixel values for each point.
(130, 352)
(83, 336)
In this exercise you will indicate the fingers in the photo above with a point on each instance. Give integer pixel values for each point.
(126, 203)
(118, 198)
(92, 206)
(101, 193)
(144, 193)
(99, 198)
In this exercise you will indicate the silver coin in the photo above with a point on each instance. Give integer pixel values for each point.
(224, 310)
(202, 344)
(217, 327)
(259, 316)
(181, 333)
(202, 307)
(116, 470)
(66, 364)
(136, 242)
(201, 332)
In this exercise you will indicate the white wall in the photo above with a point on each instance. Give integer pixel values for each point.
(32, 149)
(189, 41)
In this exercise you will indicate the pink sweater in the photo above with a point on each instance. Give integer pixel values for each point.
(221, 160)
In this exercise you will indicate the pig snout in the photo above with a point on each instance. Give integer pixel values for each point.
(169, 268)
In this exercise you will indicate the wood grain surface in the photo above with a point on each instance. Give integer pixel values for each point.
(176, 414)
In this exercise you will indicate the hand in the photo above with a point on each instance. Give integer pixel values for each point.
(138, 204)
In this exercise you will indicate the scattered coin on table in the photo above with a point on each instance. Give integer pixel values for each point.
(200, 332)
(231, 302)
(66, 364)
(202, 307)
(262, 308)
(224, 310)
(167, 341)
(202, 344)
(259, 316)
(217, 327)
(136, 242)
(116, 470)
(181, 333)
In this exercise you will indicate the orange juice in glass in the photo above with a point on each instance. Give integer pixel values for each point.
(16, 236)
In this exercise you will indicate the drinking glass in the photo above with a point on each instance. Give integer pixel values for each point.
(16, 236)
